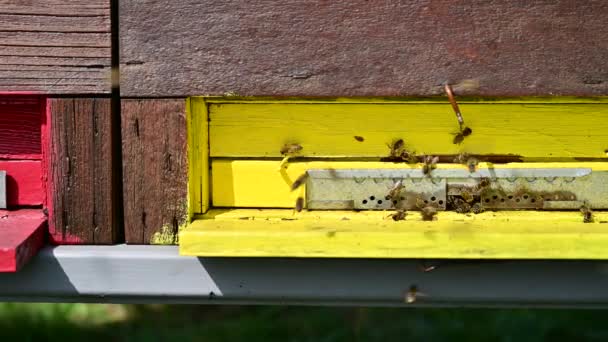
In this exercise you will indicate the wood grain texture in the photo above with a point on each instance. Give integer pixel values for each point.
(20, 120)
(155, 168)
(55, 47)
(363, 48)
(80, 171)
(529, 130)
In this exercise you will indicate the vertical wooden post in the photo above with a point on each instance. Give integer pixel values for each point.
(80, 190)
(155, 169)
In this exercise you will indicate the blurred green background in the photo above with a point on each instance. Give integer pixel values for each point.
(104, 322)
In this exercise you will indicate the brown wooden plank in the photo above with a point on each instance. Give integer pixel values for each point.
(80, 171)
(155, 167)
(67, 37)
(363, 48)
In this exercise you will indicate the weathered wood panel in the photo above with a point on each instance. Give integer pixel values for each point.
(54, 46)
(363, 48)
(80, 175)
(155, 169)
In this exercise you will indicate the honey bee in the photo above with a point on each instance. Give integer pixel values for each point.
(299, 181)
(428, 213)
(291, 149)
(483, 183)
(461, 206)
(477, 208)
(413, 294)
(459, 137)
(430, 163)
(359, 138)
(467, 196)
(469, 161)
(463, 130)
(396, 148)
(288, 150)
(395, 190)
(587, 214)
(299, 204)
(398, 215)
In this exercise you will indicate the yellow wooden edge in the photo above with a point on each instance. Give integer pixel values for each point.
(522, 130)
(198, 156)
(259, 183)
(396, 100)
(490, 235)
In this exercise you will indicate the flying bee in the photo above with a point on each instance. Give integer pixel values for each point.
(587, 214)
(395, 190)
(398, 215)
(413, 294)
(430, 163)
(291, 149)
(299, 181)
(428, 213)
(299, 204)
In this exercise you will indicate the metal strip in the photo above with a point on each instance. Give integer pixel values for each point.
(450, 173)
(2, 189)
(157, 274)
(457, 189)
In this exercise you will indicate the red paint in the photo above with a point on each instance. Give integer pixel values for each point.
(22, 234)
(20, 122)
(57, 238)
(23, 182)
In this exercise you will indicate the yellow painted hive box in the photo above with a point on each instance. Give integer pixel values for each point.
(520, 178)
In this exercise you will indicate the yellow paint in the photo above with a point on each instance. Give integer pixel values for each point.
(229, 129)
(550, 130)
(402, 100)
(198, 156)
(491, 235)
(258, 183)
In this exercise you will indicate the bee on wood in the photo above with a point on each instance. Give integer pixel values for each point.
(463, 130)
(469, 161)
(299, 204)
(430, 163)
(395, 190)
(459, 137)
(587, 214)
(396, 148)
(299, 181)
(428, 213)
(398, 215)
(291, 149)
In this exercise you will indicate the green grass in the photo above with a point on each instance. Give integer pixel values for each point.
(99, 322)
